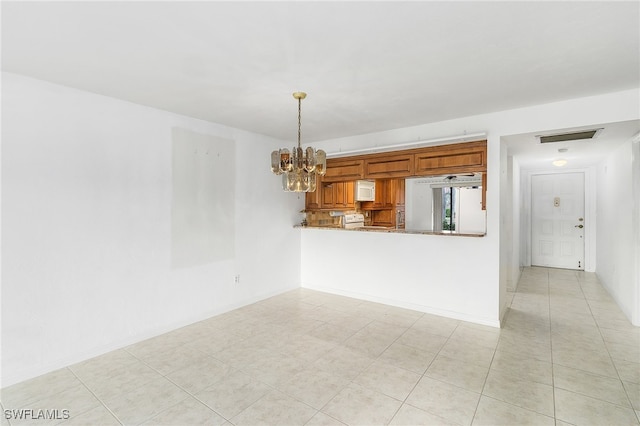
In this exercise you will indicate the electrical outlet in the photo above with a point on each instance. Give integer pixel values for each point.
(237, 280)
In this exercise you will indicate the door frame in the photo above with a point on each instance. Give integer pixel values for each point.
(589, 214)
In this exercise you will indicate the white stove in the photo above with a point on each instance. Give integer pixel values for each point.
(354, 220)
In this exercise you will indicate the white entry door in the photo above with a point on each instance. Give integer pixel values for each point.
(557, 220)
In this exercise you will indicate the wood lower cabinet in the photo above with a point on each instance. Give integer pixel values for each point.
(388, 217)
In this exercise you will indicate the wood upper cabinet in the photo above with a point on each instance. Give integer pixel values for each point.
(380, 196)
(344, 195)
(341, 170)
(313, 200)
(397, 187)
(471, 157)
(333, 195)
(389, 166)
(336, 187)
(389, 194)
(327, 195)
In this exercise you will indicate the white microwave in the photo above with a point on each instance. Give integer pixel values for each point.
(365, 190)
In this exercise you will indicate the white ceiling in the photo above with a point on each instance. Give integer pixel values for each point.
(532, 154)
(367, 66)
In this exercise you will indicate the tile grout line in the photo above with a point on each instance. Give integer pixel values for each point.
(492, 359)
(273, 388)
(369, 365)
(553, 377)
(610, 358)
(426, 369)
(96, 397)
(165, 376)
(584, 297)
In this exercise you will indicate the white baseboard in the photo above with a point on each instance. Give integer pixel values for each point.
(32, 372)
(401, 304)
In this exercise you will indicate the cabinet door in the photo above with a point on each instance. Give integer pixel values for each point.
(349, 194)
(343, 195)
(386, 217)
(451, 160)
(327, 195)
(391, 196)
(343, 170)
(398, 189)
(382, 196)
(313, 200)
(389, 166)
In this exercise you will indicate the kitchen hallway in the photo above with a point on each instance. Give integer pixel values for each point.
(565, 355)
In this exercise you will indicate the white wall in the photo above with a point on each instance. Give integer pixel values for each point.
(512, 222)
(617, 219)
(438, 275)
(490, 264)
(516, 203)
(86, 215)
(635, 187)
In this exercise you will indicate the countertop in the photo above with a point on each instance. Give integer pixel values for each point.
(394, 231)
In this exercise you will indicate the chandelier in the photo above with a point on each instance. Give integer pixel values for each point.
(299, 167)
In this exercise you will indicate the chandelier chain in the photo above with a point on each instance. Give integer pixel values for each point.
(299, 119)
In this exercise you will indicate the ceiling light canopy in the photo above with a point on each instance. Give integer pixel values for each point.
(299, 167)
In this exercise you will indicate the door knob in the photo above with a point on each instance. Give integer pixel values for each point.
(579, 226)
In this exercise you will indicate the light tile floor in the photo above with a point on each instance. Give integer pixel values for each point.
(566, 355)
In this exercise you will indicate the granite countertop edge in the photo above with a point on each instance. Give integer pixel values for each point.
(393, 231)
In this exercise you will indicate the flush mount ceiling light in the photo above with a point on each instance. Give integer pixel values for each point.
(560, 161)
(299, 167)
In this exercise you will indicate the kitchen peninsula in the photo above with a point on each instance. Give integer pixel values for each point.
(440, 272)
(397, 174)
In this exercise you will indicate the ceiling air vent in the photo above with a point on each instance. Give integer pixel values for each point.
(573, 136)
